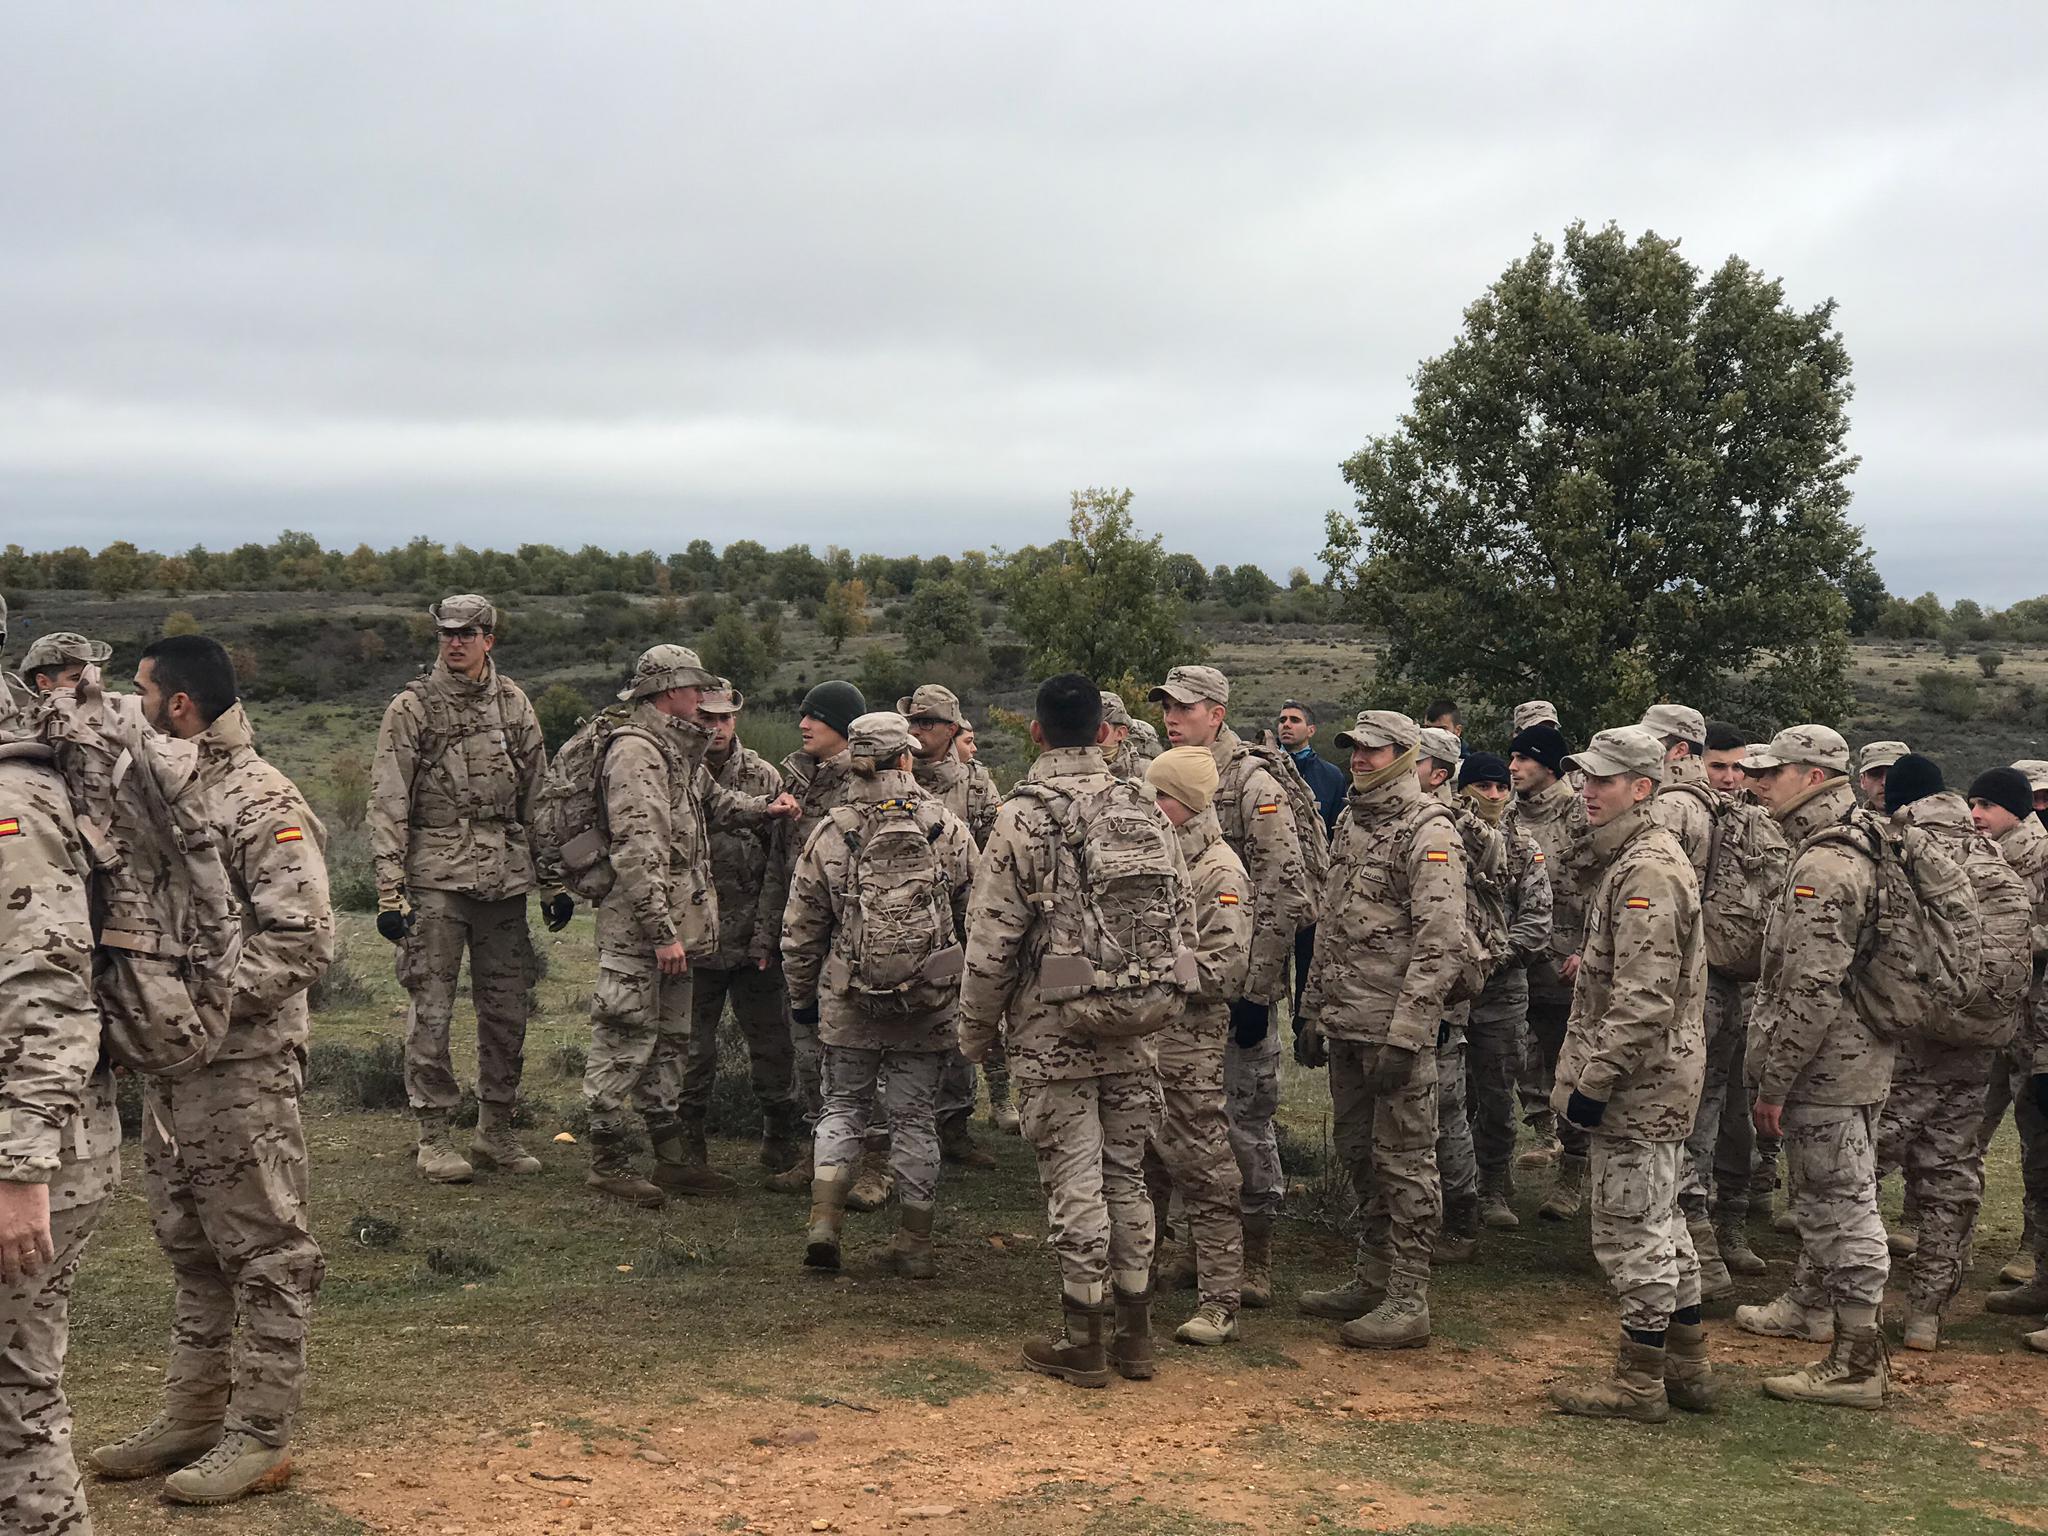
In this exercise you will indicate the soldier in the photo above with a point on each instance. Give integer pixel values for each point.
(1872, 764)
(1501, 1011)
(460, 758)
(1090, 1102)
(1457, 1240)
(1257, 817)
(739, 857)
(2035, 771)
(662, 907)
(1630, 1073)
(995, 1068)
(1819, 1075)
(1443, 715)
(816, 775)
(871, 944)
(1534, 712)
(1192, 1152)
(1118, 749)
(1145, 738)
(224, 1152)
(59, 660)
(1555, 817)
(60, 1140)
(1395, 942)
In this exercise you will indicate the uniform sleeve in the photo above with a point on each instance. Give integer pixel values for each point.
(1645, 912)
(49, 1028)
(1223, 932)
(289, 942)
(1436, 957)
(637, 815)
(999, 918)
(961, 857)
(1529, 932)
(529, 761)
(390, 810)
(725, 806)
(1801, 994)
(1279, 881)
(812, 913)
(775, 872)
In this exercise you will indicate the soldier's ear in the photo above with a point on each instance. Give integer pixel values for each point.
(1102, 733)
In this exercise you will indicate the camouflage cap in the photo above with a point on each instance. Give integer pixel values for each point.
(1879, 754)
(1676, 720)
(1631, 749)
(722, 701)
(1145, 732)
(62, 649)
(662, 667)
(932, 702)
(1186, 773)
(1441, 744)
(1114, 710)
(1535, 712)
(881, 734)
(2036, 771)
(1193, 685)
(1809, 746)
(1380, 728)
(463, 611)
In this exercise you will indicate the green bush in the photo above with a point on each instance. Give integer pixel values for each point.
(1948, 693)
(351, 880)
(1988, 662)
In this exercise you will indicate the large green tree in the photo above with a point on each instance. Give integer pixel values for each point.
(1624, 481)
(1097, 602)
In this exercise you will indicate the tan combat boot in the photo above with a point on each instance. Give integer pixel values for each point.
(162, 1445)
(1006, 1117)
(2019, 1269)
(1401, 1321)
(1496, 1202)
(239, 1466)
(1636, 1390)
(1131, 1350)
(1213, 1323)
(682, 1163)
(1854, 1375)
(828, 1215)
(1457, 1240)
(494, 1145)
(1255, 1290)
(957, 1144)
(1921, 1331)
(1366, 1289)
(1783, 1317)
(613, 1176)
(1733, 1241)
(909, 1253)
(2029, 1300)
(437, 1159)
(1568, 1194)
(872, 1181)
(1078, 1358)
(1689, 1381)
(1715, 1280)
(796, 1178)
(2036, 1341)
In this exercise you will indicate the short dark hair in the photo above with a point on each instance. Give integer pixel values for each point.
(1723, 737)
(1069, 710)
(196, 666)
(1436, 709)
(1307, 713)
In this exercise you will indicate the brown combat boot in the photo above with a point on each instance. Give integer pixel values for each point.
(1568, 1194)
(162, 1445)
(1366, 1289)
(613, 1176)
(1732, 1238)
(1635, 1391)
(1689, 1381)
(436, 1158)
(1079, 1358)
(1400, 1321)
(1854, 1375)
(1131, 1350)
(1255, 1290)
(494, 1145)
(872, 1181)
(2029, 1300)
(239, 1466)
(682, 1161)
(909, 1253)
(957, 1144)
(1457, 1240)
(828, 1215)
(796, 1178)
(1496, 1201)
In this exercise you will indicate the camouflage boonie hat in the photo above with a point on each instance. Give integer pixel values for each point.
(1676, 720)
(1114, 710)
(1193, 685)
(722, 701)
(663, 667)
(62, 649)
(1441, 744)
(463, 611)
(1631, 749)
(1535, 712)
(932, 702)
(2035, 771)
(1880, 754)
(1186, 773)
(1809, 746)
(881, 734)
(1380, 728)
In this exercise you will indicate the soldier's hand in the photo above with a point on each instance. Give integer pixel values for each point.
(1392, 1066)
(785, 805)
(25, 1243)
(1569, 971)
(1769, 1118)
(1581, 1110)
(1310, 1048)
(1250, 1022)
(556, 908)
(673, 959)
(395, 918)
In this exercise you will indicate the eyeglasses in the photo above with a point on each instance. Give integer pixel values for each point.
(927, 721)
(467, 632)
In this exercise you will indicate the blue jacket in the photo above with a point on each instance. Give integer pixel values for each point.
(1330, 783)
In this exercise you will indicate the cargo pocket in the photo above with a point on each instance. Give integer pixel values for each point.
(1621, 1188)
(625, 990)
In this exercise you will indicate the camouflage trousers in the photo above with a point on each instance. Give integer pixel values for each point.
(640, 1027)
(1090, 1135)
(2009, 1087)
(1710, 1166)
(1547, 1022)
(1389, 1150)
(854, 1080)
(1929, 1130)
(1831, 1172)
(1493, 1048)
(957, 1087)
(1639, 1234)
(761, 1010)
(40, 1490)
(502, 967)
(1456, 1165)
(808, 1052)
(1251, 1089)
(1192, 1156)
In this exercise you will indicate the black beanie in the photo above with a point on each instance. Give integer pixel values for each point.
(836, 703)
(2004, 787)
(1912, 777)
(1483, 768)
(1542, 743)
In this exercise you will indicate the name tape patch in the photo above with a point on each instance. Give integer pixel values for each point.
(290, 835)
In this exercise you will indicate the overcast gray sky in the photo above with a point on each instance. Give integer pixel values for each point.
(899, 277)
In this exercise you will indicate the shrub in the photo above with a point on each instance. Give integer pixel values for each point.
(558, 709)
(351, 879)
(359, 1077)
(340, 986)
(348, 784)
(1988, 662)
(1948, 693)
(180, 622)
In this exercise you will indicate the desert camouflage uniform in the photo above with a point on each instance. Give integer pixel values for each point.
(818, 786)
(861, 1045)
(1556, 819)
(57, 1124)
(1191, 1154)
(1391, 943)
(1636, 1042)
(739, 859)
(1500, 1013)
(1457, 1164)
(1810, 1051)
(2025, 848)
(971, 797)
(459, 763)
(1089, 1105)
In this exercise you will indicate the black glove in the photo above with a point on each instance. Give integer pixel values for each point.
(1581, 1110)
(2039, 1083)
(556, 910)
(394, 924)
(808, 1014)
(1310, 1048)
(1392, 1066)
(1249, 1022)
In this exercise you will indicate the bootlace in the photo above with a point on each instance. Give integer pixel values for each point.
(1213, 1313)
(222, 1456)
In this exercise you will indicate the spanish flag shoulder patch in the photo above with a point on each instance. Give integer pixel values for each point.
(10, 826)
(288, 835)
(1805, 892)
(1226, 898)
(1436, 856)
(1539, 856)
(1637, 903)
(1270, 810)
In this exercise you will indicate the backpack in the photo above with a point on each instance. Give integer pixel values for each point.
(895, 948)
(1486, 896)
(1309, 826)
(2005, 913)
(167, 930)
(1747, 860)
(571, 844)
(1918, 959)
(1114, 903)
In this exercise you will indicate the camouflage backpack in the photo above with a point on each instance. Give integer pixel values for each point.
(571, 844)
(2005, 913)
(1487, 879)
(1114, 902)
(895, 948)
(167, 930)
(1747, 859)
(1309, 825)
